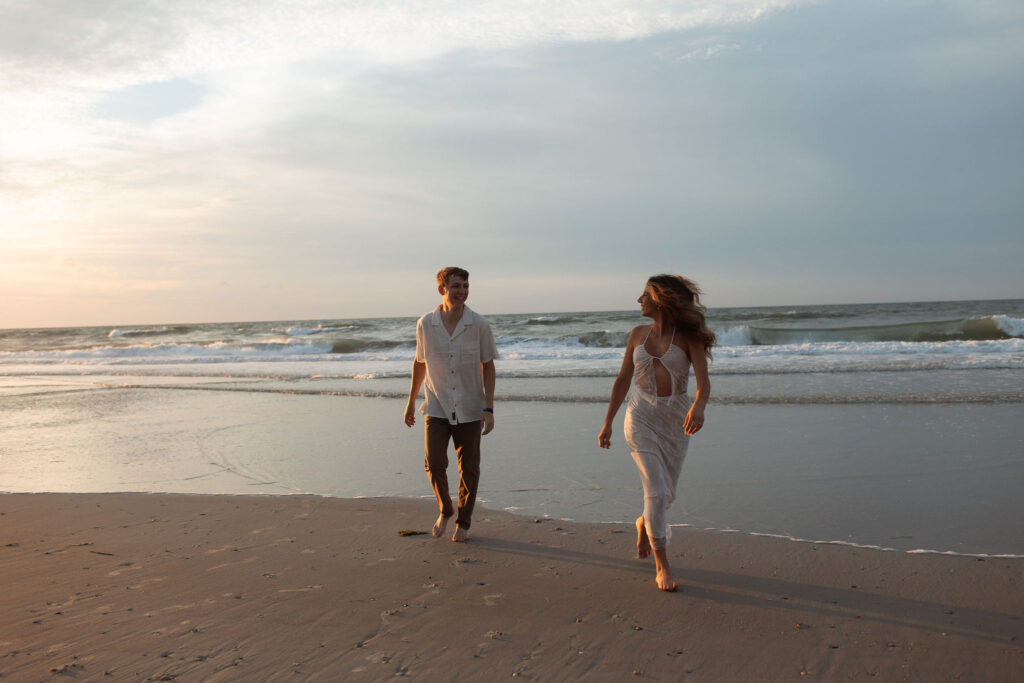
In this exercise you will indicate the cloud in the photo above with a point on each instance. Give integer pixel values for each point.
(64, 64)
(97, 45)
(321, 156)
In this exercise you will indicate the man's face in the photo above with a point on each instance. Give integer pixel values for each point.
(455, 291)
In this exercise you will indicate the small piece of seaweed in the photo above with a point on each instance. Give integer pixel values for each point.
(410, 532)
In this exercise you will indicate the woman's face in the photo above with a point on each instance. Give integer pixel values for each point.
(646, 301)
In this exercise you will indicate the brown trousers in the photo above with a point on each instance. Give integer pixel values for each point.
(466, 436)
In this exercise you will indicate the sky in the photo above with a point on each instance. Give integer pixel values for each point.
(224, 160)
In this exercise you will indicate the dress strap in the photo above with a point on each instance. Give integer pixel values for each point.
(644, 342)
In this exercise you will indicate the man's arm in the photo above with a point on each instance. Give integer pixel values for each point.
(487, 372)
(419, 371)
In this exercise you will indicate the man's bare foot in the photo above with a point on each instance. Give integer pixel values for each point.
(440, 526)
(664, 580)
(643, 543)
(460, 535)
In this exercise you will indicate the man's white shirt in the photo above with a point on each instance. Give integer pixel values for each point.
(453, 386)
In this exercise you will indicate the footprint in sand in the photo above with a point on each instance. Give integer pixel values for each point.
(214, 551)
(141, 584)
(386, 616)
(169, 608)
(247, 560)
(492, 599)
(124, 567)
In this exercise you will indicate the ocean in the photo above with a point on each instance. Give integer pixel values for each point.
(896, 425)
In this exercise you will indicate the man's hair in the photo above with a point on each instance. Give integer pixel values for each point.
(445, 273)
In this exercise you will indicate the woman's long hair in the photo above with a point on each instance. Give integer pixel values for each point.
(679, 301)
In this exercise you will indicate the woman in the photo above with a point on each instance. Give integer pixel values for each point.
(660, 418)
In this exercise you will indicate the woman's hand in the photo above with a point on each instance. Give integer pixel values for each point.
(410, 414)
(694, 419)
(604, 439)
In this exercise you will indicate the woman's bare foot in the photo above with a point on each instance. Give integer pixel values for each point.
(663, 578)
(643, 544)
(665, 581)
(460, 535)
(440, 526)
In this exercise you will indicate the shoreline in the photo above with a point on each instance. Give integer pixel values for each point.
(545, 518)
(230, 587)
(907, 477)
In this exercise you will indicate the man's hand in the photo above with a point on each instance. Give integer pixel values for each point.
(488, 419)
(410, 415)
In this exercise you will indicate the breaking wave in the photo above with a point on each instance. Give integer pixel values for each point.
(988, 328)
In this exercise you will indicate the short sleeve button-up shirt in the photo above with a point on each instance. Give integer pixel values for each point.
(453, 386)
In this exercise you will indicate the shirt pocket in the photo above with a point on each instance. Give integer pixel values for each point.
(470, 355)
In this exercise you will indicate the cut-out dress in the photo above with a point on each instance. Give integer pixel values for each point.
(655, 433)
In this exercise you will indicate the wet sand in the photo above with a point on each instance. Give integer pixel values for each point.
(226, 588)
(936, 477)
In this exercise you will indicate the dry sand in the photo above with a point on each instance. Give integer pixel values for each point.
(220, 588)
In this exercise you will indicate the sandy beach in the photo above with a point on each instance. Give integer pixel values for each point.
(226, 588)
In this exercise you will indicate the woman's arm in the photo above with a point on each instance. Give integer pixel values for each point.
(699, 361)
(619, 390)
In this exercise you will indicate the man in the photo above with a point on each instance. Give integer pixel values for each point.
(455, 354)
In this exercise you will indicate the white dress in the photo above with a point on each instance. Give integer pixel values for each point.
(655, 433)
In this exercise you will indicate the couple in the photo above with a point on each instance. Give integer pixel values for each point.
(455, 354)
